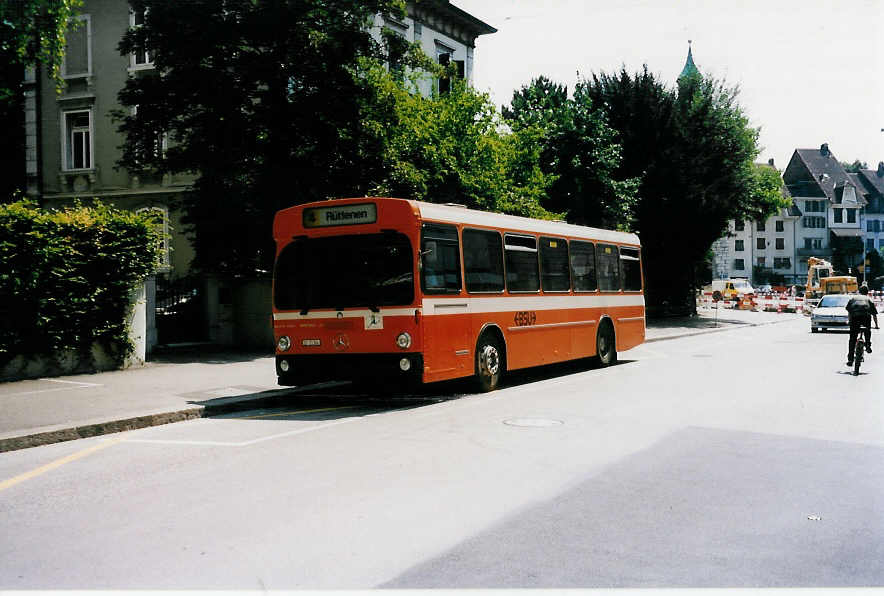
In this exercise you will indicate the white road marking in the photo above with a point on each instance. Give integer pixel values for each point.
(78, 385)
(290, 433)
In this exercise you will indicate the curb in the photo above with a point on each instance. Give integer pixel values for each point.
(229, 405)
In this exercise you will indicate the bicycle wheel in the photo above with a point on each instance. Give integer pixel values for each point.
(858, 356)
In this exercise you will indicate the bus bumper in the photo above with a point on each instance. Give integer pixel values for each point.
(318, 368)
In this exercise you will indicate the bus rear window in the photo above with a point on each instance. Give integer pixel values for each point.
(630, 265)
(368, 270)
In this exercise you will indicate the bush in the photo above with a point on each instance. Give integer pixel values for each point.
(67, 276)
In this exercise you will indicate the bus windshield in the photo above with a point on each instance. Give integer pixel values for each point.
(367, 270)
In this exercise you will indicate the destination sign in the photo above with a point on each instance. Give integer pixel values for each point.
(340, 215)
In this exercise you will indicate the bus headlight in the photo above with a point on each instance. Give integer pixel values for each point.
(284, 343)
(403, 340)
(405, 364)
(284, 365)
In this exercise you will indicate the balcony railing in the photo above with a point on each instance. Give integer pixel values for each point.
(814, 252)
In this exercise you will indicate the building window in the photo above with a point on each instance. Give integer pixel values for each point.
(808, 244)
(838, 214)
(818, 243)
(739, 264)
(739, 226)
(160, 218)
(77, 61)
(760, 261)
(141, 57)
(870, 244)
(760, 226)
(779, 225)
(445, 57)
(814, 222)
(780, 244)
(815, 206)
(738, 246)
(851, 215)
(77, 140)
(760, 243)
(782, 263)
(870, 227)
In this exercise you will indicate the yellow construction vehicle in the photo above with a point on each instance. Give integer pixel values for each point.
(820, 280)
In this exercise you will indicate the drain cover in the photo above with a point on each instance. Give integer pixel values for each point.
(532, 422)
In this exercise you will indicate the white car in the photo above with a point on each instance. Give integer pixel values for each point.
(830, 313)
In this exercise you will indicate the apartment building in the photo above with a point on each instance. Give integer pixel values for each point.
(829, 208)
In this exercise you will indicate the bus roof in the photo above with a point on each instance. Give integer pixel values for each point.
(457, 214)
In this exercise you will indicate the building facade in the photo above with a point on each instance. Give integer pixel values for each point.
(834, 216)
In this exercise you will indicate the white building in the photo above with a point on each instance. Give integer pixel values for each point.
(446, 34)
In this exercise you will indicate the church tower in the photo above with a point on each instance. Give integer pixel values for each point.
(690, 69)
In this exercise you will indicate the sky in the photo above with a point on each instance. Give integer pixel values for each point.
(809, 71)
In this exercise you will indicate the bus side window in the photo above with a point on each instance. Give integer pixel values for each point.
(630, 265)
(583, 266)
(521, 264)
(554, 272)
(440, 260)
(483, 261)
(608, 260)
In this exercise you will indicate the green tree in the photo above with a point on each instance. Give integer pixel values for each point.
(451, 148)
(264, 102)
(693, 149)
(579, 151)
(31, 32)
(855, 167)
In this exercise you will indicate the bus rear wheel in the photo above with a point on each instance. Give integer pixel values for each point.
(605, 344)
(489, 363)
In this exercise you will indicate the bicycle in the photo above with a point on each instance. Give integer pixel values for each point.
(859, 350)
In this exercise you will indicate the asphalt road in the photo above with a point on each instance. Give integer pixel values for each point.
(749, 458)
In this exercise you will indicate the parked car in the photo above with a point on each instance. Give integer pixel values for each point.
(765, 288)
(830, 313)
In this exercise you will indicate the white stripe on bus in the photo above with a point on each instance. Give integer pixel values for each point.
(488, 304)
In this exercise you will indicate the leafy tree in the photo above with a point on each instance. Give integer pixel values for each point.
(855, 167)
(31, 32)
(579, 150)
(450, 148)
(264, 101)
(693, 149)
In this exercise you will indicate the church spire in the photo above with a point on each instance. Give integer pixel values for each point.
(690, 69)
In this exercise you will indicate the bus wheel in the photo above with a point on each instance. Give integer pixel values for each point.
(489, 363)
(605, 345)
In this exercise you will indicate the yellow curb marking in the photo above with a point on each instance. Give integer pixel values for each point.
(56, 464)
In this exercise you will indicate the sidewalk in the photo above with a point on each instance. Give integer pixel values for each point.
(183, 386)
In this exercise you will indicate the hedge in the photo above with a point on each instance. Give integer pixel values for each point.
(66, 277)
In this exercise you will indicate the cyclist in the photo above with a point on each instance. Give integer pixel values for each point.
(861, 310)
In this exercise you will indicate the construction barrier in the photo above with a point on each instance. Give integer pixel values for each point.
(774, 302)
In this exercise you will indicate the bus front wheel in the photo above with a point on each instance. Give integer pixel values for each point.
(605, 344)
(489, 363)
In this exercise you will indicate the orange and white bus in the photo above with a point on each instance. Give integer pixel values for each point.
(402, 290)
